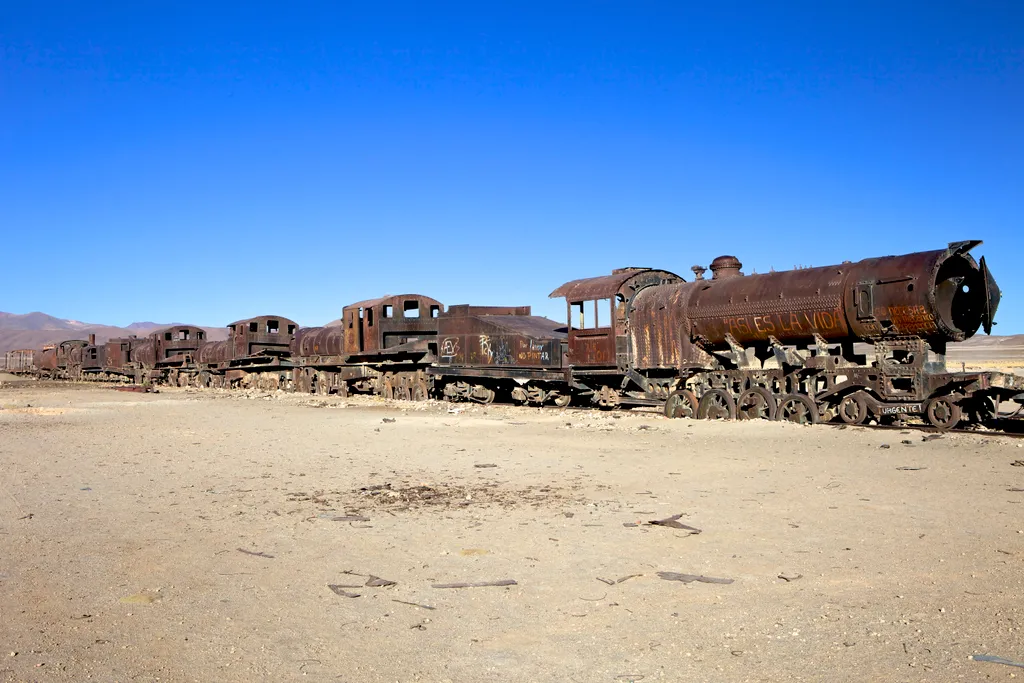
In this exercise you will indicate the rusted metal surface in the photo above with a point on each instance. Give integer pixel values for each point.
(499, 337)
(598, 310)
(21, 361)
(855, 341)
(213, 353)
(318, 341)
(390, 324)
(177, 346)
(263, 336)
(94, 357)
(47, 360)
(117, 353)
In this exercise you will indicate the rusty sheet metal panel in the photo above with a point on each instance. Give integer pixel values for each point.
(656, 324)
(212, 353)
(487, 336)
(48, 359)
(22, 360)
(94, 357)
(374, 325)
(604, 286)
(144, 352)
(178, 340)
(117, 353)
(268, 335)
(318, 341)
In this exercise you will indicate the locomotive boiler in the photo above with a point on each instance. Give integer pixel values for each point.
(754, 345)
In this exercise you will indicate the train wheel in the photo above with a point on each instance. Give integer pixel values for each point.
(482, 394)
(943, 413)
(853, 409)
(560, 400)
(681, 403)
(798, 408)
(981, 409)
(402, 392)
(419, 391)
(716, 404)
(756, 403)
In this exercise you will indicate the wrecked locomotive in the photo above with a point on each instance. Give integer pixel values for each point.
(852, 342)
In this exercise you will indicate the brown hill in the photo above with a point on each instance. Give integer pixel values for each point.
(35, 330)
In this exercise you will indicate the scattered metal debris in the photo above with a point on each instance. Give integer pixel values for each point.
(477, 584)
(255, 554)
(377, 582)
(484, 465)
(413, 604)
(138, 389)
(790, 577)
(674, 523)
(997, 660)
(611, 582)
(388, 420)
(689, 578)
(345, 518)
(340, 590)
(907, 468)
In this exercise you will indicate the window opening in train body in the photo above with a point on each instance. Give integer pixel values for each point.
(576, 312)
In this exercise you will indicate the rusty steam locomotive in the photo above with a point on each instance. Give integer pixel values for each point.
(852, 342)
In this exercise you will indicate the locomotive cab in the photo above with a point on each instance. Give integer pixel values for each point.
(263, 336)
(598, 314)
(391, 324)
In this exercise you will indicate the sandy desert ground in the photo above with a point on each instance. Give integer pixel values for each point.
(196, 536)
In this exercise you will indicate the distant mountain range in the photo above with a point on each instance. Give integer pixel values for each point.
(34, 330)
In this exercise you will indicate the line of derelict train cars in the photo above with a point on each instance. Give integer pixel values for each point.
(779, 345)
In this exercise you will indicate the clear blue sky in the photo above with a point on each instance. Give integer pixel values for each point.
(206, 162)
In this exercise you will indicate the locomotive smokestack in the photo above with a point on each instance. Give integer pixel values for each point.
(92, 340)
(725, 267)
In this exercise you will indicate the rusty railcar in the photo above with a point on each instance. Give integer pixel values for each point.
(484, 350)
(782, 344)
(22, 361)
(383, 346)
(319, 359)
(117, 356)
(169, 355)
(257, 353)
(94, 359)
